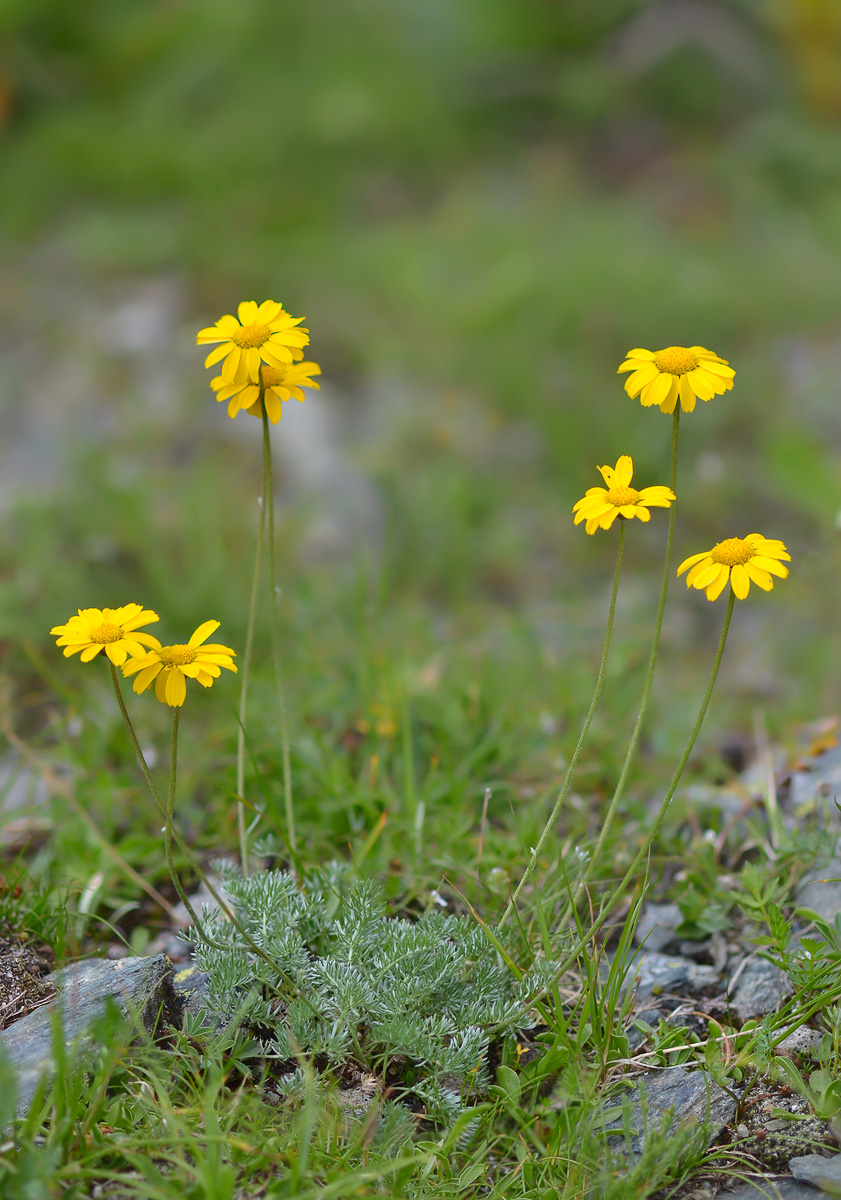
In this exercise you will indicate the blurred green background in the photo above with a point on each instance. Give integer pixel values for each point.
(480, 206)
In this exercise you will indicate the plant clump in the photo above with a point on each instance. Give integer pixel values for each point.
(417, 1003)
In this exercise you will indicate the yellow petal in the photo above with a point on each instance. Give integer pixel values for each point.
(687, 396)
(636, 382)
(160, 684)
(608, 475)
(89, 652)
(274, 409)
(624, 470)
(218, 354)
(635, 510)
(771, 565)
(176, 689)
(657, 391)
(758, 576)
(247, 312)
(715, 589)
(667, 404)
(146, 676)
(203, 633)
(693, 558)
(740, 581)
(701, 385)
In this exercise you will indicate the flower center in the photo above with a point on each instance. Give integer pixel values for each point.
(618, 496)
(733, 552)
(249, 337)
(272, 376)
(106, 633)
(176, 656)
(675, 360)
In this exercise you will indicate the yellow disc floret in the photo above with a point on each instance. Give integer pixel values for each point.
(676, 360)
(106, 632)
(251, 336)
(601, 506)
(176, 656)
(732, 552)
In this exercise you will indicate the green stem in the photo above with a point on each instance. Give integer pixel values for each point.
(278, 666)
(170, 830)
(658, 820)
(242, 828)
(576, 754)
(147, 774)
(630, 753)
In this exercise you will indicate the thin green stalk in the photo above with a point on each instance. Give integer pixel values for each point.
(170, 830)
(658, 820)
(278, 669)
(576, 754)
(242, 828)
(630, 753)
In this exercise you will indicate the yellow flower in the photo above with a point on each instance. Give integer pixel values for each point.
(754, 559)
(678, 371)
(172, 666)
(601, 506)
(280, 383)
(263, 334)
(113, 630)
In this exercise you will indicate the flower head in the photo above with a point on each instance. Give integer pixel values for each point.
(261, 334)
(691, 373)
(754, 559)
(601, 506)
(113, 630)
(172, 666)
(280, 383)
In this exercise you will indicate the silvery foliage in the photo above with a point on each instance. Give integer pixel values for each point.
(423, 998)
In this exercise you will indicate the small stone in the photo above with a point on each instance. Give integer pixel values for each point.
(139, 985)
(800, 1041)
(781, 1188)
(692, 1097)
(821, 890)
(758, 988)
(656, 927)
(665, 973)
(823, 1173)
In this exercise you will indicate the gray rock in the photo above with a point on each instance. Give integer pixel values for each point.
(657, 925)
(190, 986)
(780, 1188)
(821, 890)
(757, 988)
(665, 973)
(823, 1173)
(691, 1097)
(818, 784)
(142, 987)
(800, 1041)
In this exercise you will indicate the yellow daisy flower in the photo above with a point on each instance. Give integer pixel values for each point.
(172, 666)
(601, 506)
(678, 371)
(263, 334)
(113, 630)
(280, 383)
(754, 559)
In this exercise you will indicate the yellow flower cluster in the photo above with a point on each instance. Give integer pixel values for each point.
(260, 351)
(114, 630)
(662, 377)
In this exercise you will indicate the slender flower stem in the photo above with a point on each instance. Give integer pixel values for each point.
(147, 774)
(658, 820)
(242, 828)
(576, 754)
(278, 667)
(630, 753)
(171, 830)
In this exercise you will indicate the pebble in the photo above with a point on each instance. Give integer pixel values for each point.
(823, 1173)
(780, 1188)
(692, 1096)
(656, 927)
(821, 890)
(757, 988)
(666, 973)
